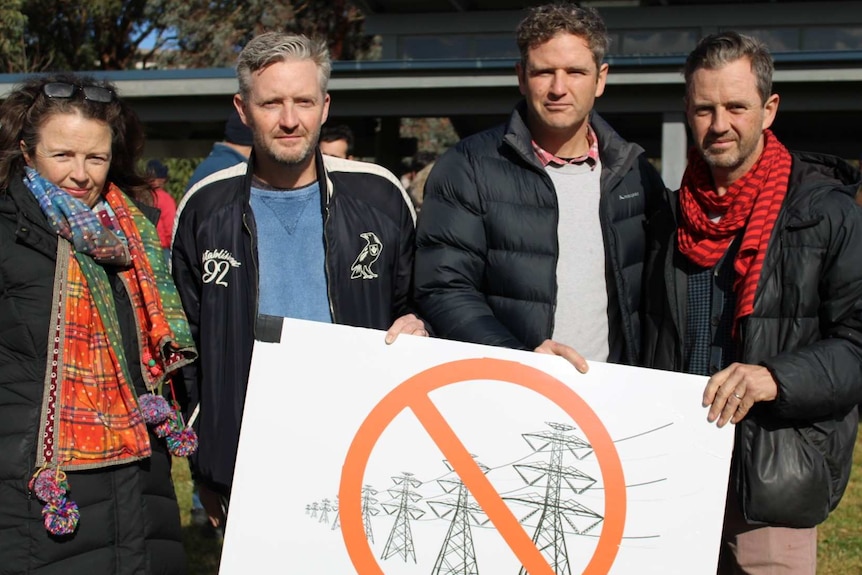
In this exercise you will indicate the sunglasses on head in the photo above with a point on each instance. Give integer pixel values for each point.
(64, 90)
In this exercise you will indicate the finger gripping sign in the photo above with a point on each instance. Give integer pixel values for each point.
(414, 393)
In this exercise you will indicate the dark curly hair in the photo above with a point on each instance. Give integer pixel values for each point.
(544, 22)
(27, 108)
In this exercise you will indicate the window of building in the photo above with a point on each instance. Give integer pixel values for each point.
(776, 39)
(642, 42)
(832, 38)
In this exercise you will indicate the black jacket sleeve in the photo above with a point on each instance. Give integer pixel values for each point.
(451, 254)
(825, 378)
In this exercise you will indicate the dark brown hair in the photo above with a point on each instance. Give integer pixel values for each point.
(27, 108)
(718, 50)
(544, 22)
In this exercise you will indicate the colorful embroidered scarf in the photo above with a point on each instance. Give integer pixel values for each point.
(90, 413)
(752, 202)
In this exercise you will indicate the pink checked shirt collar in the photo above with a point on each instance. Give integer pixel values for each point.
(591, 157)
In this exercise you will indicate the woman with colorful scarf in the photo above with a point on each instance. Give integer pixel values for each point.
(91, 333)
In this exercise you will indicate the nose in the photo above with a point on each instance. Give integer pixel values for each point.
(558, 84)
(720, 121)
(79, 173)
(289, 118)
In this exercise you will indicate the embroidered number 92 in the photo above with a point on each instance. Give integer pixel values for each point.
(215, 271)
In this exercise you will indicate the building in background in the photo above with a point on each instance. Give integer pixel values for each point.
(454, 59)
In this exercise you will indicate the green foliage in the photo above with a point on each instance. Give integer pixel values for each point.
(839, 549)
(86, 35)
(12, 48)
(41, 35)
(179, 172)
(211, 33)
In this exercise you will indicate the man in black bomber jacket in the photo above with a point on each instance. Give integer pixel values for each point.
(291, 234)
(532, 233)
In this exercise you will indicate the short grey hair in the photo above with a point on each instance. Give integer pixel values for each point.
(272, 47)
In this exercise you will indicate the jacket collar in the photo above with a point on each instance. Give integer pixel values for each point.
(32, 227)
(616, 154)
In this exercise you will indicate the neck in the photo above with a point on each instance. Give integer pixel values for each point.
(285, 176)
(563, 144)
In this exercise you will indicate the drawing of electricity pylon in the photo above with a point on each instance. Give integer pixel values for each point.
(368, 510)
(400, 541)
(336, 523)
(458, 556)
(314, 508)
(325, 508)
(550, 536)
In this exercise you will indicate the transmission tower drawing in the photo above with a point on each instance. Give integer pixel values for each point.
(554, 510)
(335, 522)
(369, 510)
(400, 541)
(458, 555)
(325, 508)
(314, 508)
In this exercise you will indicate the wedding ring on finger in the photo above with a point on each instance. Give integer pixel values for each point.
(737, 396)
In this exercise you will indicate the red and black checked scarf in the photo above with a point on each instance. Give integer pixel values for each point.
(751, 202)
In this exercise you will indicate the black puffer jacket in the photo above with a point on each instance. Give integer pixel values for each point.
(129, 520)
(487, 244)
(806, 326)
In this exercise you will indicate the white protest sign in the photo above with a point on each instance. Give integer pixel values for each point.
(436, 457)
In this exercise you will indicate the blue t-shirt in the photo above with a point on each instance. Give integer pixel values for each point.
(291, 253)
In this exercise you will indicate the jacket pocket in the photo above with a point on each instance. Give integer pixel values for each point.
(793, 476)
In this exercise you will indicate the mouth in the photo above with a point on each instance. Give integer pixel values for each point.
(77, 192)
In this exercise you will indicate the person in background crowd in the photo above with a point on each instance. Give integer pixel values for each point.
(157, 173)
(753, 279)
(337, 141)
(532, 233)
(416, 190)
(417, 163)
(293, 233)
(92, 331)
(233, 150)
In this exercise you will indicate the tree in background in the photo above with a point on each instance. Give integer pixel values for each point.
(207, 33)
(13, 50)
(86, 34)
(42, 35)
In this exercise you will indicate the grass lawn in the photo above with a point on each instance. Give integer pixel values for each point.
(840, 546)
(839, 553)
(203, 553)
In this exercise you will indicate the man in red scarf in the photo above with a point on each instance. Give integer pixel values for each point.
(753, 279)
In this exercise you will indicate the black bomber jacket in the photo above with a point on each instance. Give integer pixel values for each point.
(214, 264)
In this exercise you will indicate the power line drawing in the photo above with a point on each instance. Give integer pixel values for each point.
(550, 534)
(314, 508)
(325, 508)
(400, 541)
(369, 509)
(457, 555)
(335, 522)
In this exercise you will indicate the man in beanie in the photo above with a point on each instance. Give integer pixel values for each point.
(235, 149)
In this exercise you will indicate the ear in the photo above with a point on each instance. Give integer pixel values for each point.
(601, 79)
(522, 78)
(240, 108)
(770, 110)
(26, 155)
(326, 101)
